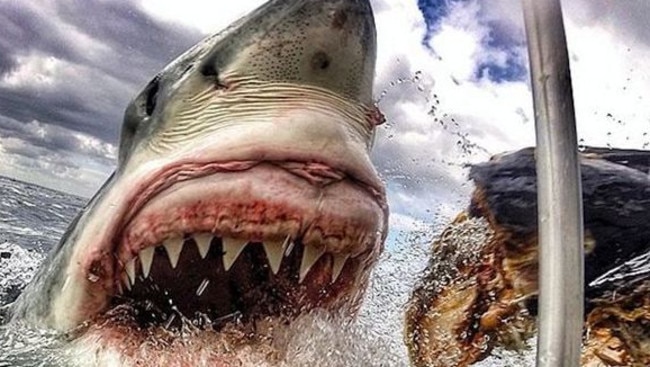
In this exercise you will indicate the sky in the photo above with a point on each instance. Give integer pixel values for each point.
(452, 80)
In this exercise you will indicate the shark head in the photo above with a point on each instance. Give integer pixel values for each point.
(283, 50)
(244, 187)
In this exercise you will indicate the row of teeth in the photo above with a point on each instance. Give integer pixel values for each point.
(232, 248)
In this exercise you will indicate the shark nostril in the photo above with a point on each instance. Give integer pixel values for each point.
(320, 60)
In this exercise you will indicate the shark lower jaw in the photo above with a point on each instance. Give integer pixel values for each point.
(238, 245)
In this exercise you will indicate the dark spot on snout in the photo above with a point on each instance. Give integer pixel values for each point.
(320, 60)
(339, 19)
(209, 70)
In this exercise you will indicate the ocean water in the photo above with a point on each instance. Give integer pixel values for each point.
(34, 218)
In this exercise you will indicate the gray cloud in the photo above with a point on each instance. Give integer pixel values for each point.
(46, 140)
(409, 170)
(7, 63)
(133, 37)
(109, 48)
(63, 131)
(26, 29)
(628, 17)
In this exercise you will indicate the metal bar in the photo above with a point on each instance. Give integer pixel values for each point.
(559, 193)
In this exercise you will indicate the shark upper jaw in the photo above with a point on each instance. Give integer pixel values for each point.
(256, 242)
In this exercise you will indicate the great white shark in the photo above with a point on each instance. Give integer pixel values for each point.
(244, 187)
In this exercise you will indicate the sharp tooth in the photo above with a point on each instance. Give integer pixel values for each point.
(275, 251)
(232, 247)
(203, 241)
(339, 263)
(130, 270)
(146, 258)
(310, 256)
(126, 281)
(174, 246)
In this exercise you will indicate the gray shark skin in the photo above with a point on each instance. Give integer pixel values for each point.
(275, 110)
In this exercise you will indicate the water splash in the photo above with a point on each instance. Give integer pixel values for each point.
(24, 346)
(17, 267)
(373, 339)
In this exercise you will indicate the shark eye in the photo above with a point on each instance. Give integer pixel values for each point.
(152, 95)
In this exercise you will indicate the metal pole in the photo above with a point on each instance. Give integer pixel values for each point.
(559, 193)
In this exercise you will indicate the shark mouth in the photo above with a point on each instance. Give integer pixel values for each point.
(209, 279)
(267, 241)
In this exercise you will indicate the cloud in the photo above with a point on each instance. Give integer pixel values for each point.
(611, 80)
(54, 138)
(54, 156)
(449, 102)
(205, 16)
(78, 63)
(67, 72)
(627, 19)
